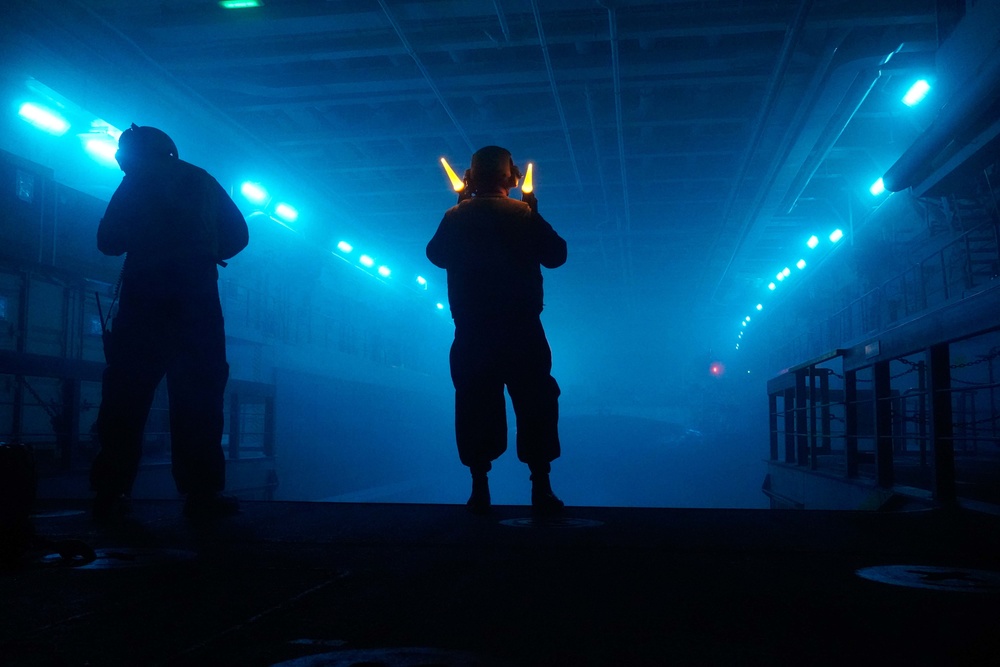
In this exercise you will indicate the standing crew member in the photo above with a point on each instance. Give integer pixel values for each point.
(176, 224)
(493, 247)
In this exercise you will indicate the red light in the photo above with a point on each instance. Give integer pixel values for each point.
(716, 368)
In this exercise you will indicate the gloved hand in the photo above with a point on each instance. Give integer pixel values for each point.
(531, 200)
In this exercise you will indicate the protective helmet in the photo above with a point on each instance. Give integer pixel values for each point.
(493, 166)
(138, 144)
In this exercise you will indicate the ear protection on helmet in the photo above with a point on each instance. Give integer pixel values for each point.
(490, 161)
(139, 143)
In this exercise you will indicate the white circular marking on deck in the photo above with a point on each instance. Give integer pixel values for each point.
(551, 521)
(932, 577)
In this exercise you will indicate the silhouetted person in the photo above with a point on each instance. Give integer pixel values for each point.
(492, 247)
(176, 224)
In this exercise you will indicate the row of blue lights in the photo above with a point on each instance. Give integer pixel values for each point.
(100, 141)
(914, 95)
(283, 212)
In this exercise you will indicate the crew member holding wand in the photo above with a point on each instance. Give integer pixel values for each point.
(493, 248)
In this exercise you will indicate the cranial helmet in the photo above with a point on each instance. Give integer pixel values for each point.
(493, 166)
(140, 144)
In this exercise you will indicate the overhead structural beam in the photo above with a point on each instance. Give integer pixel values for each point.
(427, 76)
(619, 121)
(555, 91)
(757, 131)
(503, 21)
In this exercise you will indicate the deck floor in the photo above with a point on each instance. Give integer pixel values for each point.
(392, 584)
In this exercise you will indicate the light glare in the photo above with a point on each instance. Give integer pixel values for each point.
(801, 264)
(760, 306)
(916, 93)
(44, 119)
(812, 242)
(344, 246)
(286, 212)
(772, 286)
(836, 235)
(102, 150)
(877, 188)
(421, 281)
(366, 260)
(384, 271)
(786, 272)
(254, 192)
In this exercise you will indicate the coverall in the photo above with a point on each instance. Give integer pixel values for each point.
(176, 223)
(492, 248)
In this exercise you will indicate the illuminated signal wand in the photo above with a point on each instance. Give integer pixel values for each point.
(457, 184)
(528, 188)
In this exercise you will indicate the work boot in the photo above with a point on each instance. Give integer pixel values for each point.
(210, 506)
(543, 501)
(479, 501)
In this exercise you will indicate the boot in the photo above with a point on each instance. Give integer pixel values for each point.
(543, 501)
(479, 501)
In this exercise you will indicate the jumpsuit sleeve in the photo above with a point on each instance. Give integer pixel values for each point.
(119, 218)
(233, 233)
(550, 246)
(439, 247)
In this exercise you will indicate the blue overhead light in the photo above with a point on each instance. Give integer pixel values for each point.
(254, 192)
(440, 306)
(384, 271)
(772, 286)
(812, 242)
(801, 264)
(786, 272)
(102, 149)
(422, 281)
(366, 260)
(747, 319)
(286, 212)
(916, 93)
(836, 235)
(760, 306)
(877, 188)
(44, 119)
(780, 276)
(344, 246)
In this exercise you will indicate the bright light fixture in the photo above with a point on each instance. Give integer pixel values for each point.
(744, 323)
(44, 119)
(836, 235)
(102, 150)
(366, 260)
(916, 93)
(772, 286)
(877, 188)
(422, 281)
(240, 4)
(344, 246)
(786, 272)
(384, 271)
(801, 264)
(812, 242)
(440, 306)
(254, 192)
(286, 212)
(780, 276)
(760, 306)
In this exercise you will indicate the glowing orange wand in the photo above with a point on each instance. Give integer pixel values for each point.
(456, 183)
(528, 186)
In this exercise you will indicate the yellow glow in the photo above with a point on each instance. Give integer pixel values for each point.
(456, 182)
(528, 186)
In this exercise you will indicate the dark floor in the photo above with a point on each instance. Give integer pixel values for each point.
(379, 584)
